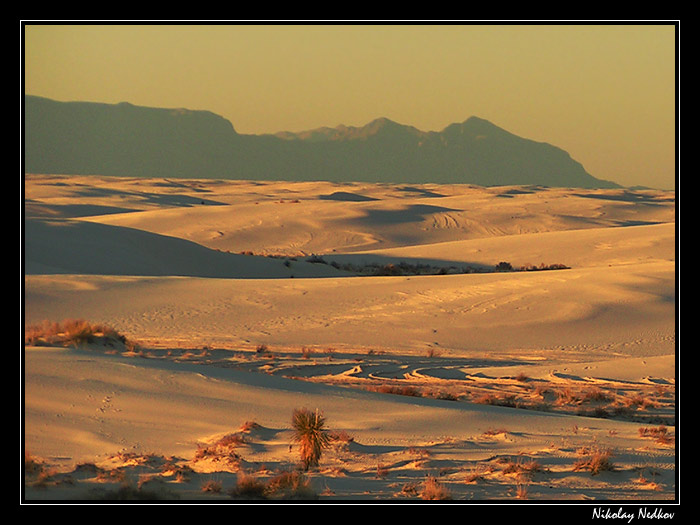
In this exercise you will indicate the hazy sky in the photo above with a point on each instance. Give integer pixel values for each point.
(604, 93)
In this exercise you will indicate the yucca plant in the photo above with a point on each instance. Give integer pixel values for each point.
(311, 434)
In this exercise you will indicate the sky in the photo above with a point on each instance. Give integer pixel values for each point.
(605, 93)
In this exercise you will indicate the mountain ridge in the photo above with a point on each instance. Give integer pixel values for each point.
(128, 140)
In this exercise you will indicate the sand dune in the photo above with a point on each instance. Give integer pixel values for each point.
(495, 368)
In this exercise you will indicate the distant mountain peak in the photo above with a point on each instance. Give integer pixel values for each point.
(381, 126)
(474, 126)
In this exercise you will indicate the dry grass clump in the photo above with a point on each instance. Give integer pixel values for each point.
(287, 485)
(432, 352)
(290, 485)
(478, 473)
(521, 491)
(32, 465)
(659, 434)
(406, 390)
(533, 268)
(75, 332)
(127, 492)
(596, 462)
(523, 469)
(495, 432)
(434, 490)
(340, 440)
(569, 396)
(222, 450)
(248, 487)
(249, 426)
(382, 471)
(213, 486)
(502, 400)
(638, 400)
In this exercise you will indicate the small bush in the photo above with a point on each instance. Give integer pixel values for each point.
(434, 490)
(504, 267)
(248, 487)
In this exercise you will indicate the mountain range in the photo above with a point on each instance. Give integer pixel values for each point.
(135, 141)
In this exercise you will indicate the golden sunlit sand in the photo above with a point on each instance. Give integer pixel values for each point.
(461, 342)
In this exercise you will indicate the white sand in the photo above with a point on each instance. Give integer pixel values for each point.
(160, 261)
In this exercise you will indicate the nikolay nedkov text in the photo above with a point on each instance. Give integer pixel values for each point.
(642, 513)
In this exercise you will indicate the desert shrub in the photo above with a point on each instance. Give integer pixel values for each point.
(32, 465)
(341, 437)
(598, 461)
(596, 394)
(660, 434)
(504, 400)
(432, 352)
(382, 471)
(290, 485)
(212, 486)
(221, 450)
(654, 432)
(567, 396)
(249, 426)
(543, 266)
(504, 267)
(638, 400)
(389, 270)
(445, 396)
(406, 390)
(74, 332)
(311, 434)
(434, 490)
(316, 259)
(477, 474)
(525, 469)
(287, 485)
(127, 492)
(248, 487)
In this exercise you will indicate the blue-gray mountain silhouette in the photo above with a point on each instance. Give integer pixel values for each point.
(127, 140)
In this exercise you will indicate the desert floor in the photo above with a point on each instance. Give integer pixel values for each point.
(377, 305)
